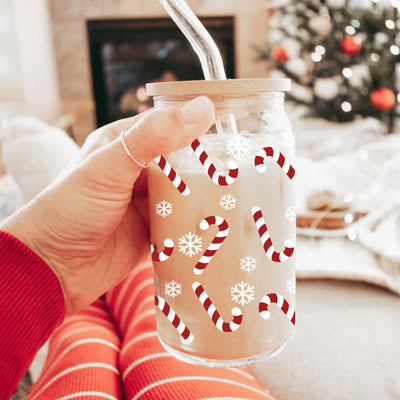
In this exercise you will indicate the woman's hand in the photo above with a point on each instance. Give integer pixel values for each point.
(90, 225)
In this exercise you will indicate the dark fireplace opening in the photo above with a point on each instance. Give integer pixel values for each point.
(127, 54)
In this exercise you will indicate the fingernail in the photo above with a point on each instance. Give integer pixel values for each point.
(197, 109)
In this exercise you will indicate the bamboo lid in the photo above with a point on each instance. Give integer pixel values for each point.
(229, 87)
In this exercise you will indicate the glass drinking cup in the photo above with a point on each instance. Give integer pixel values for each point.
(222, 222)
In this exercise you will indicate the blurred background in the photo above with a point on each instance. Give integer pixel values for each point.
(86, 61)
(78, 64)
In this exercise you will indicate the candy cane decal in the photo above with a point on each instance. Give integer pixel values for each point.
(266, 239)
(222, 180)
(281, 302)
(172, 175)
(223, 231)
(214, 314)
(174, 319)
(164, 254)
(275, 154)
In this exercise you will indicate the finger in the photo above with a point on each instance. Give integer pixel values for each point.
(164, 131)
(99, 138)
(157, 132)
(107, 134)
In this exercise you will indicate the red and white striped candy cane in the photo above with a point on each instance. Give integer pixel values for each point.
(164, 254)
(223, 231)
(214, 314)
(172, 175)
(216, 177)
(281, 302)
(266, 239)
(174, 319)
(274, 153)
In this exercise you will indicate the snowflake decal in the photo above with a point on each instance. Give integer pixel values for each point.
(163, 208)
(291, 285)
(190, 244)
(173, 289)
(242, 293)
(248, 263)
(290, 214)
(227, 202)
(238, 147)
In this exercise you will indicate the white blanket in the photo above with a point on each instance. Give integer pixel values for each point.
(372, 175)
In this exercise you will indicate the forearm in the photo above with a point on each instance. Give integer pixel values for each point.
(31, 307)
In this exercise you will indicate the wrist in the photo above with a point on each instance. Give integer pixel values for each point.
(27, 228)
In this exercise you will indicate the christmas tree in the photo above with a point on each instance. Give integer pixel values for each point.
(342, 59)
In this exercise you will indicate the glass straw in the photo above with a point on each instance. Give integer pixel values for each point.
(204, 46)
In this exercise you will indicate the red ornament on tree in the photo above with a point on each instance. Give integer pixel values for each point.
(271, 12)
(350, 46)
(382, 99)
(278, 53)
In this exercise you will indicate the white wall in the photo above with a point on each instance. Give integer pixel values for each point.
(11, 88)
(27, 63)
(36, 51)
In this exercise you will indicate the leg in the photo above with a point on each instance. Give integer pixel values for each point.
(83, 359)
(148, 371)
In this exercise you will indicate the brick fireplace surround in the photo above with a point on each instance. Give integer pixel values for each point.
(72, 48)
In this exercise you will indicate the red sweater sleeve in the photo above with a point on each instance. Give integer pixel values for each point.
(31, 306)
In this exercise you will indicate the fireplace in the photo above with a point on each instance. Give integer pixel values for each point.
(127, 54)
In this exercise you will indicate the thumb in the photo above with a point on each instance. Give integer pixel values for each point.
(157, 132)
